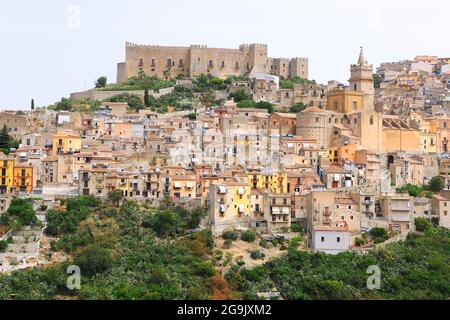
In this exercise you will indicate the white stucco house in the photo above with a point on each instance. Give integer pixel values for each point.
(331, 239)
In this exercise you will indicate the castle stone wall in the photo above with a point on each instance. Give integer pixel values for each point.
(163, 61)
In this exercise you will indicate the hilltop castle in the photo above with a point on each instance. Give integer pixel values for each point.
(198, 59)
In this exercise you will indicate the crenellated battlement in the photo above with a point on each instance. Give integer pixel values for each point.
(281, 60)
(198, 46)
(253, 45)
(131, 44)
(300, 59)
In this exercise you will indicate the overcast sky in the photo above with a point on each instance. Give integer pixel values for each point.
(51, 48)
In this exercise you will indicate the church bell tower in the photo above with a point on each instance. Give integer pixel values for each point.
(362, 80)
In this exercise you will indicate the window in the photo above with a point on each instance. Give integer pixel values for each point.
(141, 62)
(336, 105)
(223, 64)
(355, 105)
(338, 239)
(210, 64)
(169, 63)
(322, 239)
(371, 120)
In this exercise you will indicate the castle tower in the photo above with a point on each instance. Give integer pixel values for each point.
(362, 80)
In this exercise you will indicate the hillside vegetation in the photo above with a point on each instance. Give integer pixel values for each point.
(128, 251)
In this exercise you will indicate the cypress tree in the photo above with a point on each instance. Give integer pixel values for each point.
(5, 139)
(146, 98)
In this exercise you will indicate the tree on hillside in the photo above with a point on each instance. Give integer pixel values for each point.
(422, 224)
(298, 107)
(163, 223)
(5, 139)
(115, 197)
(240, 95)
(146, 98)
(23, 210)
(141, 75)
(208, 98)
(101, 82)
(167, 74)
(436, 184)
(32, 104)
(134, 101)
(65, 104)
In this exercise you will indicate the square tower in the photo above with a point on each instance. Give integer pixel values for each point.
(362, 80)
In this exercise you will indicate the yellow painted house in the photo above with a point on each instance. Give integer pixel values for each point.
(428, 142)
(65, 143)
(333, 154)
(230, 206)
(6, 174)
(274, 183)
(23, 178)
(120, 182)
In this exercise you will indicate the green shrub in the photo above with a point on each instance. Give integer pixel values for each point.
(297, 228)
(228, 243)
(4, 219)
(230, 235)
(248, 236)
(93, 260)
(379, 235)
(257, 255)
(263, 243)
(411, 189)
(436, 184)
(435, 221)
(422, 224)
(3, 245)
(359, 241)
(22, 210)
